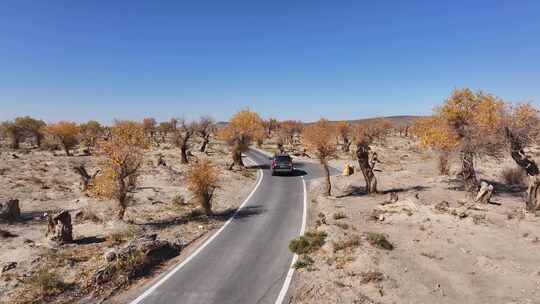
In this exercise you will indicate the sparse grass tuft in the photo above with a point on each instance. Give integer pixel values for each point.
(119, 237)
(353, 241)
(379, 240)
(304, 262)
(310, 242)
(371, 276)
(47, 283)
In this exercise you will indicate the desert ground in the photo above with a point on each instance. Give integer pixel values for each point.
(44, 182)
(431, 245)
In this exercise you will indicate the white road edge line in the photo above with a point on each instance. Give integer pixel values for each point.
(290, 273)
(201, 248)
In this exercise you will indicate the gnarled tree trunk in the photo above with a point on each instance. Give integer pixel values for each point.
(237, 158)
(467, 172)
(204, 144)
(121, 198)
(346, 145)
(529, 165)
(367, 164)
(328, 182)
(183, 152)
(60, 229)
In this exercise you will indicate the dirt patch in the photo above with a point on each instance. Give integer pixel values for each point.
(45, 182)
(445, 248)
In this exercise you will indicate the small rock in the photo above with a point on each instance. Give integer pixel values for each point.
(110, 255)
(381, 217)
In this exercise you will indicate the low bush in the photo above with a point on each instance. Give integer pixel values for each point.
(379, 240)
(304, 262)
(47, 283)
(310, 242)
(353, 241)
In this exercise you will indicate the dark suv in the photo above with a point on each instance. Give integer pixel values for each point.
(282, 163)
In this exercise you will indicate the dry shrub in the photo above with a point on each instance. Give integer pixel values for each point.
(91, 132)
(514, 176)
(379, 240)
(371, 276)
(202, 180)
(304, 261)
(353, 241)
(310, 242)
(65, 133)
(120, 237)
(40, 287)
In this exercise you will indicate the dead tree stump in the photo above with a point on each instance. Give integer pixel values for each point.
(60, 229)
(10, 211)
(484, 195)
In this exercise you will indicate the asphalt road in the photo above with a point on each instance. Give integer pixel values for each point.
(247, 262)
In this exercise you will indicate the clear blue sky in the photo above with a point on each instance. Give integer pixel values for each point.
(101, 60)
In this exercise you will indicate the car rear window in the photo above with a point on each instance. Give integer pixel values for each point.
(283, 158)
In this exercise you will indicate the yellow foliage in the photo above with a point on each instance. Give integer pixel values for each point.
(319, 139)
(123, 154)
(477, 118)
(65, 132)
(434, 132)
(524, 115)
(342, 129)
(90, 132)
(369, 131)
(202, 177)
(244, 127)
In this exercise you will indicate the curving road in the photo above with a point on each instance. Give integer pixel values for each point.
(248, 260)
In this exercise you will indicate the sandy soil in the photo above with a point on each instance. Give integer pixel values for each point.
(44, 182)
(456, 253)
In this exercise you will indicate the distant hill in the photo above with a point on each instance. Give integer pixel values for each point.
(396, 121)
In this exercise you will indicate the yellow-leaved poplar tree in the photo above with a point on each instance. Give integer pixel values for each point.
(343, 130)
(522, 131)
(122, 154)
(319, 139)
(365, 133)
(65, 133)
(470, 123)
(243, 128)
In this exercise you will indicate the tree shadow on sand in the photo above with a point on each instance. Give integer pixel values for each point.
(198, 216)
(361, 191)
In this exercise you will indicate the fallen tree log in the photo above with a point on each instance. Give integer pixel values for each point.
(135, 259)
